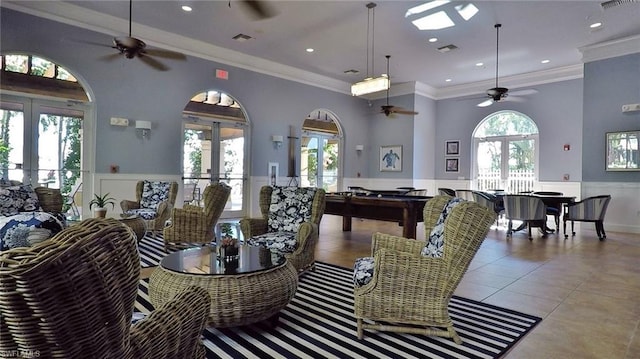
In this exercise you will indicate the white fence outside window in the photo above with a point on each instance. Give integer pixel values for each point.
(517, 181)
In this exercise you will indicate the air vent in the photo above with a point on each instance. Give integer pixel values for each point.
(447, 48)
(242, 37)
(351, 71)
(614, 3)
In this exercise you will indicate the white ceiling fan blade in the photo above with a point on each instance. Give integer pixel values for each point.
(523, 92)
(514, 99)
(485, 103)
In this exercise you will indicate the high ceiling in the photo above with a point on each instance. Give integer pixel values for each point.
(531, 31)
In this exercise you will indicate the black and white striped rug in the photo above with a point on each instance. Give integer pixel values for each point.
(319, 323)
(151, 250)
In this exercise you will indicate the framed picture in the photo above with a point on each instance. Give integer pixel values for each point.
(451, 164)
(622, 151)
(391, 158)
(273, 173)
(452, 147)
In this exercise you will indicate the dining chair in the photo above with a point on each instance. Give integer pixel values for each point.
(528, 209)
(591, 209)
(552, 211)
(446, 192)
(465, 194)
(490, 201)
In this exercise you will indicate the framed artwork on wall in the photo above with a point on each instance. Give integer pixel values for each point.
(452, 148)
(451, 164)
(391, 158)
(273, 173)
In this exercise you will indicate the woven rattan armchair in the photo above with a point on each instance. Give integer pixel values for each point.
(154, 201)
(410, 292)
(72, 296)
(294, 234)
(193, 224)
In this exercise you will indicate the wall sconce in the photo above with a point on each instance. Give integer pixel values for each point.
(144, 127)
(277, 140)
(359, 149)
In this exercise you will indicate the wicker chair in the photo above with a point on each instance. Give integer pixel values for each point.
(591, 209)
(73, 296)
(154, 201)
(410, 292)
(294, 234)
(193, 224)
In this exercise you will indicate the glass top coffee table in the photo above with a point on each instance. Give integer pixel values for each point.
(248, 288)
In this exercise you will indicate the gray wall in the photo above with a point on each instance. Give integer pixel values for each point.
(130, 89)
(609, 84)
(556, 109)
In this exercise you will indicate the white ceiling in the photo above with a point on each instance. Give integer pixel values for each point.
(531, 31)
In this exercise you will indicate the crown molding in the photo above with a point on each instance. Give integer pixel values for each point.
(92, 20)
(515, 81)
(608, 49)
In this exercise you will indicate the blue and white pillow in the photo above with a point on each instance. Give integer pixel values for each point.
(290, 207)
(15, 199)
(434, 247)
(153, 193)
(28, 228)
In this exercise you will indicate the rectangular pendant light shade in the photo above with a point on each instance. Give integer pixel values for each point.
(370, 85)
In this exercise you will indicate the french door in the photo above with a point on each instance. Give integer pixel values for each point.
(41, 144)
(215, 151)
(319, 161)
(506, 162)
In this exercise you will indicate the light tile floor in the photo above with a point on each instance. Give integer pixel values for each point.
(586, 291)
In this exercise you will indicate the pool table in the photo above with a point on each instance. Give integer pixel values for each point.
(405, 210)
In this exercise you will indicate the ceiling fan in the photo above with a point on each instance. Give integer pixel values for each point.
(257, 9)
(132, 47)
(497, 94)
(390, 109)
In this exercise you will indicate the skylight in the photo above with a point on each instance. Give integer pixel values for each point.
(437, 21)
(425, 7)
(467, 11)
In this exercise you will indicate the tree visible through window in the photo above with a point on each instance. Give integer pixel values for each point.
(506, 150)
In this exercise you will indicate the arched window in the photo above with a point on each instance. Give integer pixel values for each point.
(41, 140)
(320, 151)
(506, 152)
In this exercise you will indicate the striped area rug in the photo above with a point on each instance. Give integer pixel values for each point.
(151, 250)
(319, 323)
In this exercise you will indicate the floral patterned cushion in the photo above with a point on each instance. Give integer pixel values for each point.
(28, 228)
(435, 244)
(290, 207)
(15, 199)
(143, 213)
(282, 242)
(362, 271)
(154, 192)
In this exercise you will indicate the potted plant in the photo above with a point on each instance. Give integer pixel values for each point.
(101, 202)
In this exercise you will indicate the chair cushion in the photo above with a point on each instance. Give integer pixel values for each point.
(28, 228)
(362, 271)
(154, 192)
(281, 241)
(21, 198)
(144, 213)
(289, 208)
(435, 244)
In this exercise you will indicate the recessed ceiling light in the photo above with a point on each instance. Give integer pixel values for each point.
(437, 21)
(480, 64)
(310, 50)
(447, 80)
(186, 8)
(595, 25)
(545, 61)
(433, 39)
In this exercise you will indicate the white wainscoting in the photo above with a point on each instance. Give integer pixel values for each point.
(123, 186)
(623, 213)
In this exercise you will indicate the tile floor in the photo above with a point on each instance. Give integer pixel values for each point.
(586, 291)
